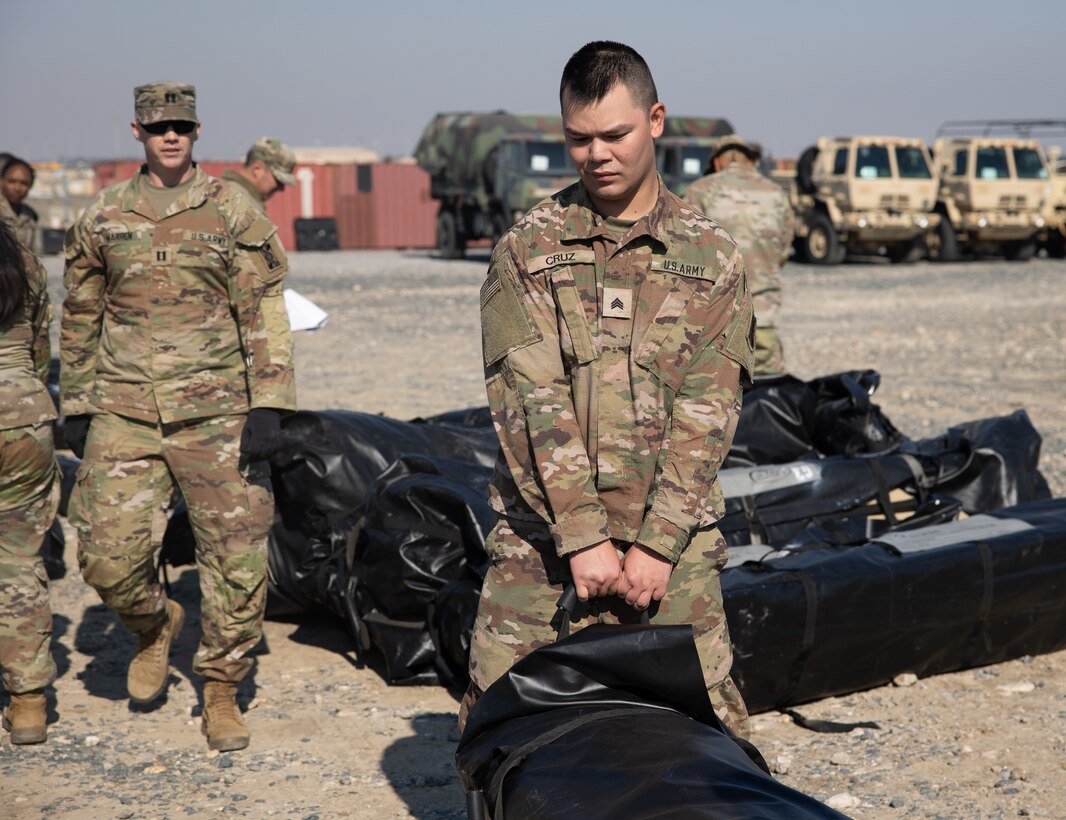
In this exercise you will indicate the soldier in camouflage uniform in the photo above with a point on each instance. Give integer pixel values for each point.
(29, 493)
(267, 170)
(756, 213)
(617, 329)
(16, 180)
(176, 347)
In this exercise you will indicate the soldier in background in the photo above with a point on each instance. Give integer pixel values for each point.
(16, 179)
(29, 492)
(267, 170)
(176, 366)
(757, 215)
(616, 331)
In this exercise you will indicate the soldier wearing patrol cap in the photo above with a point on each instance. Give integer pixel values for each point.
(616, 329)
(267, 170)
(176, 367)
(758, 216)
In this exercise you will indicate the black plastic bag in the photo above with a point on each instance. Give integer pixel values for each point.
(775, 423)
(614, 721)
(846, 421)
(987, 464)
(815, 623)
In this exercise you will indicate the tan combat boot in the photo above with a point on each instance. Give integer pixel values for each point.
(223, 725)
(24, 718)
(150, 667)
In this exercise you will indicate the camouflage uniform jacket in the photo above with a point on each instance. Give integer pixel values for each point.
(175, 317)
(246, 187)
(756, 212)
(613, 371)
(22, 224)
(25, 355)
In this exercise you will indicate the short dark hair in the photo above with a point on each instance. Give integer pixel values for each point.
(12, 162)
(597, 67)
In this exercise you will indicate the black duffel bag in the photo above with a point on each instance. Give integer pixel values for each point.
(614, 721)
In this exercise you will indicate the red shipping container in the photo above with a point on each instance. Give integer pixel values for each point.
(384, 205)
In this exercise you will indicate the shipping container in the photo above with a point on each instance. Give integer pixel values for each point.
(385, 205)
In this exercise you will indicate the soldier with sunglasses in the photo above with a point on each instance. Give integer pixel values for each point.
(176, 367)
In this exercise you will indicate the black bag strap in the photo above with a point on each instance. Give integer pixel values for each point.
(515, 756)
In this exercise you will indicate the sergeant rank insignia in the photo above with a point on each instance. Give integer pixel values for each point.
(617, 303)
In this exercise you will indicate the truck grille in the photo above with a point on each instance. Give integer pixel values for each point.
(1012, 201)
(897, 202)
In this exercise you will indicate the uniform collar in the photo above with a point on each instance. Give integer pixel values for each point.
(582, 221)
(195, 195)
(236, 177)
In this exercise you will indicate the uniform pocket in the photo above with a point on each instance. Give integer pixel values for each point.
(685, 324)
(577, 336)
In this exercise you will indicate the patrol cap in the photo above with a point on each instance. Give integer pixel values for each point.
(158, 102)
(737, 143)
(277, 156)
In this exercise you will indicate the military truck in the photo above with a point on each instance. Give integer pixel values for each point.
(993, 196)
(1056, 233)
(869, 195)
(681, 152)
(487, 169)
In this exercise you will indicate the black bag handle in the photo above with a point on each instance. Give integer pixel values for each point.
(566, 605)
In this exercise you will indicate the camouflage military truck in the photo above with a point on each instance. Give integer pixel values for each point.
(1056, 234)
(488, 169)
(681, 152)
(994, 192)
(869, 195)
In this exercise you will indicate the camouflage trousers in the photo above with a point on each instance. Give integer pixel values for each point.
(517, 611)
(29, 496)
(119, 505)
(769, 353)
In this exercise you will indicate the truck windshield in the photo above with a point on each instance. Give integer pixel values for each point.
(548, 158)
(911, 163)
(992, 163)
(871, 162)
(694, 160)
(1028, 164)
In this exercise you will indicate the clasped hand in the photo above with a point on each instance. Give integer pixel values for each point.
(640, 577)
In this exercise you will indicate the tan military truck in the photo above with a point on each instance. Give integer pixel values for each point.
(863, 195)
(1056, 234)
(993, 196)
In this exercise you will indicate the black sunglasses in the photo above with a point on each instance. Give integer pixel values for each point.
(177, 126)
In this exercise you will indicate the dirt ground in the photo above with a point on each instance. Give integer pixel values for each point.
(330, 739)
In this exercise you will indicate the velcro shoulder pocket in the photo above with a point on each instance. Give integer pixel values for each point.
(260, 241)
(505, 322)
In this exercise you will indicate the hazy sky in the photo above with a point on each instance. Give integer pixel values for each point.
(325, 72)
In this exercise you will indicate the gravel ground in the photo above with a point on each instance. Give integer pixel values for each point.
(952, 343)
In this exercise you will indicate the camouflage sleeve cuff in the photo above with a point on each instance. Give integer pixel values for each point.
(663, 537)
(580, 530)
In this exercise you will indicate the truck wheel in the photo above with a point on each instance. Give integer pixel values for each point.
(945, 245)
(822, 246)
(1056, 245)
(449, 242)
(907, 252)
(1021, 251)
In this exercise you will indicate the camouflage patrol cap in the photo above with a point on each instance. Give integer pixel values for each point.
(737, 143)
(157, 102)
(277, 156)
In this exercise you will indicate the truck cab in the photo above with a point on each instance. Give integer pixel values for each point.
(993, 196)
(863, 194)
(681, 152)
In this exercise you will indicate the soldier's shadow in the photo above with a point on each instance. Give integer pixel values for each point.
(421, 768)
(101, 636)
